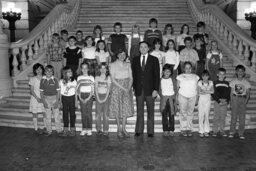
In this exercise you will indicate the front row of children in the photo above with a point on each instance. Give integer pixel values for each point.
(46, 91)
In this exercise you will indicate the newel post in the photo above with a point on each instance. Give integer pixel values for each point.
(5, 78)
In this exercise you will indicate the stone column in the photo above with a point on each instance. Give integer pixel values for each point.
(5, 79)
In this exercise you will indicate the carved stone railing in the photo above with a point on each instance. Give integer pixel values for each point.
(31, 49)
(240, 46)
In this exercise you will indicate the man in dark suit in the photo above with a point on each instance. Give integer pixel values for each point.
(146, 80)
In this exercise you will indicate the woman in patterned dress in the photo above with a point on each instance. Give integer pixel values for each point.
(121, 99)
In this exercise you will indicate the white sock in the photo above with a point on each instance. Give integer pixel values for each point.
(35, 123)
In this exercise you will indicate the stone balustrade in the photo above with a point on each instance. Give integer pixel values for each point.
(227, 33)
(32, 48)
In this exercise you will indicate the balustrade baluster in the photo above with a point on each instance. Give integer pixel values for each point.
(41, 44)
(45, 40)
(253, 61)
(230, 38)
(30, 54)
(234, 43)
(49, 36)
(240, 49)
(36, 49)
(247, 55)
(15, 63)
(225, 34)
(217, 26)
(23, 58)
(221, 30)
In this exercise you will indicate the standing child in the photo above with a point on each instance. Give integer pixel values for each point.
(187, 88)
(205, 89)
(201, 51)
(204, 37)
(72, 56)
(97, 34)
(172, 57)
(167, 95)
(134, 42)
(54, 54)
(117, 41)
(85, 91)
(50, 94)
(157, 52)
(168, 34)
(89, 55)
(64, 38)
(80, 39)
(214, 60)
(221, 98)
(102, 53)
(152, 33)
(184, 32)
(188, 54)
(36, 104)
(102, 89)
(240, 94)
(68, 91)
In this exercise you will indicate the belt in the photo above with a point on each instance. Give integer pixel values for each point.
(244, 96)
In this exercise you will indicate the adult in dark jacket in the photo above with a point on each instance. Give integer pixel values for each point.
(146, 80)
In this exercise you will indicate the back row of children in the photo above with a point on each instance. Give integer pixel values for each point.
(190, 90)
(75, 48)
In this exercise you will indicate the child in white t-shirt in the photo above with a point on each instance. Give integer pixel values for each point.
(68, 99)
(205, 89)
(101, 53)
(102, 89)
(85, 92)
(167, 101)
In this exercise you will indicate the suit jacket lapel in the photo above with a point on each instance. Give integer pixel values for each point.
(147, 62)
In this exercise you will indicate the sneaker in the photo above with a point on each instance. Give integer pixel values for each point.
(99, 133)
(206, 134)
(40, 131)
(231, 135)
(223, 134)
(47, 134)
(241, 137)
(72, 132)
(165, 134)
(105, 134)
(171, 133)
(183, 133)
(214, 134)
(64, 133)
(201, 135)
(83, 132)
(89, 133)
(189, 134)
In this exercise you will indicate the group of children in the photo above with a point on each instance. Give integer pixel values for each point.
(85, 77)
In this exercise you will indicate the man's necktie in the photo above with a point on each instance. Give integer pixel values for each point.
(143, 63)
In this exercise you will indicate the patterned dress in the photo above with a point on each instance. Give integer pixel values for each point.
(121, 102)
(34, 106)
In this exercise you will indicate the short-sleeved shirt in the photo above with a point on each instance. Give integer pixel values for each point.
(201, 54)
(160, 55)
(49, 86)
(168, 37)
(73, 56)
(173, 58)
(102, 56)
(205, 87)
(85, 84)
(239, 87)
(117, 42)
(35, 82)
(55, 53)
(167, 87)
(80, 43)
(89, 52)
(189, 55)
(68, 89)
(188, 84)
(103, 84)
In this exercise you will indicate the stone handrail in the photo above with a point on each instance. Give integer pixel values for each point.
(31, 49)
(240, 46)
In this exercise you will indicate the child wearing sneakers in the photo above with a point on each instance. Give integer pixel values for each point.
(221, 98)
(205, 89)
(240, 94)
(50, 95)
(68, 91)
(85, 92)
(167, 95)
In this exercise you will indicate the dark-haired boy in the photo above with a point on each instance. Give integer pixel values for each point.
(221, 98)
(240, 94)
(152, 33)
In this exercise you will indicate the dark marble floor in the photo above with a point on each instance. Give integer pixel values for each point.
(22, 150)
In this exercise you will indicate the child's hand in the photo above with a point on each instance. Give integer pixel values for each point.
(45, 105)
(55, 105)
(76, 104)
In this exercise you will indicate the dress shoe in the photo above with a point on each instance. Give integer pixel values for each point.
(150, 135)
(137, 134)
